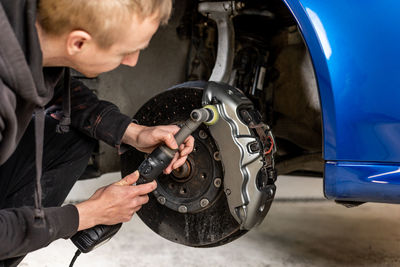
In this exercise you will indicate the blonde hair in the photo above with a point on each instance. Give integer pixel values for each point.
(100, 18)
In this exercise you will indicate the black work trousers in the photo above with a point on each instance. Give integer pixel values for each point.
(65, 157)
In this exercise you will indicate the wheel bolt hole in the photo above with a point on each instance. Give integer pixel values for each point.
(183, 191)
(171, 186)
(203, 176)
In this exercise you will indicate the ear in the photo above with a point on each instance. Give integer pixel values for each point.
(77, 41)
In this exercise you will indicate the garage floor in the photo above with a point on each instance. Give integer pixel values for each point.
(302, 229)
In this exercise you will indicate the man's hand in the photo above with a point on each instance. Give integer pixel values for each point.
(114, 203)
(146, 139)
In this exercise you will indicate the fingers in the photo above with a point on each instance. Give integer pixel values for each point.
(171, 128)
(169, 169)
(129, 179)
(170, 141)
(166, 134)
(187, 147)
(138, 190)
(175, 163)
(179, 159)
(179, 162)
(140, 201)
(116, 202)
(143, 189)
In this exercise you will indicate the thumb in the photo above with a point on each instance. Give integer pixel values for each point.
(129, 179)
(170, 141)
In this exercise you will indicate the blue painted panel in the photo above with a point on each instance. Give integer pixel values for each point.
(354, 48)
(366, 182)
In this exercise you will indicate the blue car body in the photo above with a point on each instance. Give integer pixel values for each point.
(355, 51)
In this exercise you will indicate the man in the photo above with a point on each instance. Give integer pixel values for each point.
(38, 39)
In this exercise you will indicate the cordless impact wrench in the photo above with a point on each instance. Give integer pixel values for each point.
(149, 169)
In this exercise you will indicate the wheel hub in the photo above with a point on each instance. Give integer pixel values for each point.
(191, 188)
(183, 173)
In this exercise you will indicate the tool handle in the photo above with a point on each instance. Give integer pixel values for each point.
(187, 129)
(197, 117)
(161, 157)
(89, 239)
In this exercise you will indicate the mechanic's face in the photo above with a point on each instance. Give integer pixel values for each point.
(133, 38)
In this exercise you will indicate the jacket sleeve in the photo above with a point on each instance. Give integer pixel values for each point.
(99, 119)
(20, 235)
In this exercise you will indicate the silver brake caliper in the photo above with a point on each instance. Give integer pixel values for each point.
(246, 147)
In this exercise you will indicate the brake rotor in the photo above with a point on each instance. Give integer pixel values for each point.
(189, 206)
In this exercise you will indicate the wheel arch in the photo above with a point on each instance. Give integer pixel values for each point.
(316, 42)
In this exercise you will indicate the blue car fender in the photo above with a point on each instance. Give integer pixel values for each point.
(354, 49)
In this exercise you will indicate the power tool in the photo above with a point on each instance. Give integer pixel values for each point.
(149, 169)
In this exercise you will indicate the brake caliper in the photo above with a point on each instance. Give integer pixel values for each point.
(246, 147)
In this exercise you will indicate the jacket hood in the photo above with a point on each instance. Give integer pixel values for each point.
(23, 71)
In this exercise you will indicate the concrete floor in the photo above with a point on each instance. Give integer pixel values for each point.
(302, 229)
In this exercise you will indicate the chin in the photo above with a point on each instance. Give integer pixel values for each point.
(88, 74)
(91, 75)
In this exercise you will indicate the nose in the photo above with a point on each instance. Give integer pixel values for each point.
(131, 60)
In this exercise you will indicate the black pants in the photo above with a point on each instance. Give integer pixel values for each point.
(65, 157)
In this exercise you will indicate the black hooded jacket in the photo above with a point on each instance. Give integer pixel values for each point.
(24, 86)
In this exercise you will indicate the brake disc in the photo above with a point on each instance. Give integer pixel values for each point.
(189, 206)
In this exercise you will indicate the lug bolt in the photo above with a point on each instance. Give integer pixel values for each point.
(203, 134)
(182, 209)
(217, 182)
(227, 191)
(204, 202)
(216, 156)
(161, 200)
